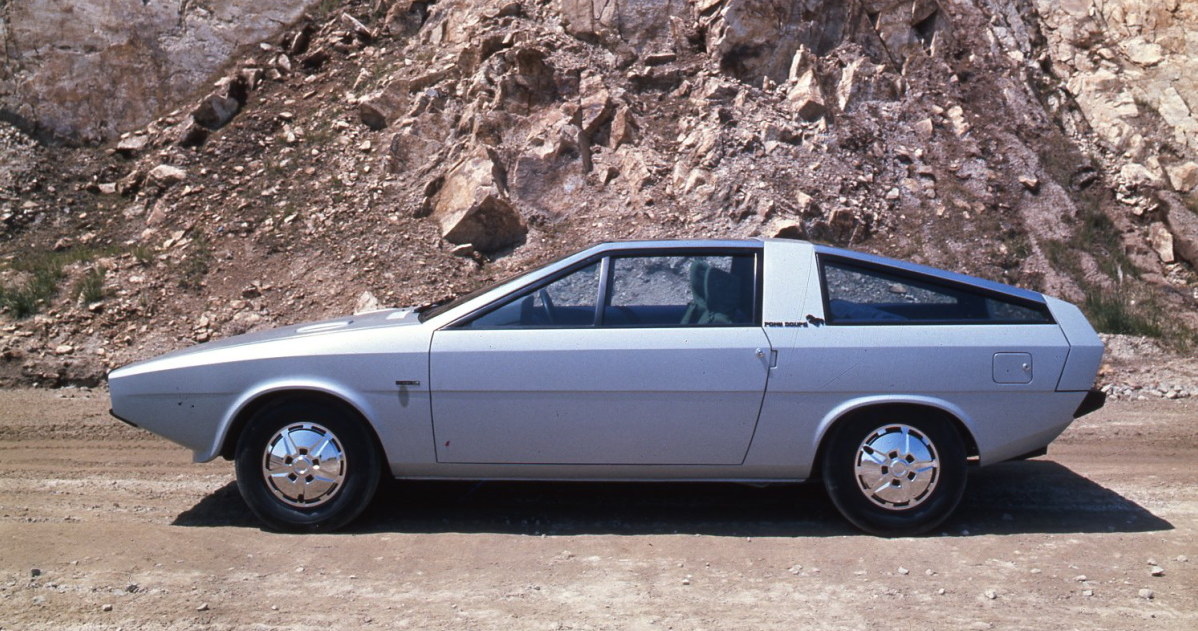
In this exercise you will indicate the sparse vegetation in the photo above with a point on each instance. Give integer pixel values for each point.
(1019, 247)
(27, 298)
(1060, 254)
(1119, 310)
(194, 266)
(319, 134)
(1097, 234)
(1116, 312)
(144, 255)
(90, 288)
(1123, 311)
(40, 276)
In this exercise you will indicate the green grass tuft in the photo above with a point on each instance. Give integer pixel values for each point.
(143, 254)
(194, 267)
(43, 272)
(1115, 312)
(27, 298)
(90, 288)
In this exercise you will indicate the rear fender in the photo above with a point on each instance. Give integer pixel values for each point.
(847, 408)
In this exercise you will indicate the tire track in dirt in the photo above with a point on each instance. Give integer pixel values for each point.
(109, 515)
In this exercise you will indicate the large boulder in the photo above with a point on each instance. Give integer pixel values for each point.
(862, 81)
(550, 170)
(1183, 177)
(1183, 223)
(806, 97)
(472, 205)
(219, 107)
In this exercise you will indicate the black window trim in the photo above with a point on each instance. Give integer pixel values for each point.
(606, 269)
(605, 287)
(923, 279)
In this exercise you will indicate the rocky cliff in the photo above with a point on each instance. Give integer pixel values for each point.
(90, 69)
(397, 152)
(1128, 84)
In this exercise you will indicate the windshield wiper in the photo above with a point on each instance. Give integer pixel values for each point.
(436, 303)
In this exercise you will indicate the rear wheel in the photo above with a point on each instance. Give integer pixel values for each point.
(895, 474)
(305, 466)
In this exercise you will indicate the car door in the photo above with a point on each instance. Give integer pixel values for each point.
(636, 359)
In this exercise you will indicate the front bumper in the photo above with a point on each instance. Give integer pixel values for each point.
(123, 420)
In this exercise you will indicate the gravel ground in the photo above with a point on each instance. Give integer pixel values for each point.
(104, 526)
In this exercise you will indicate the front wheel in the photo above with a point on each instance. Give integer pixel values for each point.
(304, 466)
(895, 474)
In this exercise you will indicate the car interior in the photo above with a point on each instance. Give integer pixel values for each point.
(714, 297)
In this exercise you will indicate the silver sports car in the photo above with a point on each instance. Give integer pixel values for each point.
(750, 361)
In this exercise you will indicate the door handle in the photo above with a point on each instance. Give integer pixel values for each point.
(760, 353)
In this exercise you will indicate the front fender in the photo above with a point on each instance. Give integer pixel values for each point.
(268, 387)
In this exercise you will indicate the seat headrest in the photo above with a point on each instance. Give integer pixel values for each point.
(722, 291)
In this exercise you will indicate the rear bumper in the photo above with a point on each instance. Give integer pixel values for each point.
(1094, 400)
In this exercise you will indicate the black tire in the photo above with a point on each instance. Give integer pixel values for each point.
(884, 496)
(310, 503)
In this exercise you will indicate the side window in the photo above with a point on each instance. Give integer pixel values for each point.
(702, 290)
(864, 295)
(680, 291)
(566, 302)
(1016, 313)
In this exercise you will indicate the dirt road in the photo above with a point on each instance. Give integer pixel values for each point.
(105, 526)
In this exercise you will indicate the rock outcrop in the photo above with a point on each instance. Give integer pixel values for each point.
(91, 69)
(410, 150)
(1131, 69)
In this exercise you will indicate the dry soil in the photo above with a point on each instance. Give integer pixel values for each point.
(105, 526)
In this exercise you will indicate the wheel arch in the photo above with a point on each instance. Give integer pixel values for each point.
(857, 409)
(309, 393)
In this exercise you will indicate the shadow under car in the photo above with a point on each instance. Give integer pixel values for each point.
(1033, 496)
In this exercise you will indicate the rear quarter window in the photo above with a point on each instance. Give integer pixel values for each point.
(865, 294)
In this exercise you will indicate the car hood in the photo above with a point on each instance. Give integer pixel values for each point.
(306, 331)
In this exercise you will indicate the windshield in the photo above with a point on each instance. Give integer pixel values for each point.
(437, 308)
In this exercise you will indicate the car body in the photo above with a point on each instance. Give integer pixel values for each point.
(756, 361)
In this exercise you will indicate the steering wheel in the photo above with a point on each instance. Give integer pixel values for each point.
(548, 303)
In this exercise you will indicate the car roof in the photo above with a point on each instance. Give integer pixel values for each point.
(914, 268)
(646, 244)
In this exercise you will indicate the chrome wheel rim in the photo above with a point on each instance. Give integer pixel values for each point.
(897, 467)
(304, 465)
